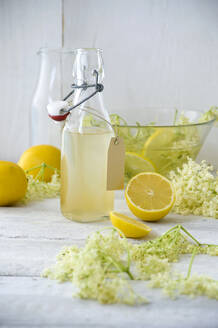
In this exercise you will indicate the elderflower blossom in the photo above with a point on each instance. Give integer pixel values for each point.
(38, 190)
(176, 284)
(170, 247)
(209, 115)
(101, 270)
(196, 189)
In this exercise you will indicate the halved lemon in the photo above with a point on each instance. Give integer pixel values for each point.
(149, 196)
(135, 163)
(162, 137)
(159, 146)
(131, 228)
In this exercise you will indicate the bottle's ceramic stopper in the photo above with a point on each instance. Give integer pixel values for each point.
(59, 109)
(56, 110)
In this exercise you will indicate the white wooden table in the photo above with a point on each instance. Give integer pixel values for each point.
(30, 238)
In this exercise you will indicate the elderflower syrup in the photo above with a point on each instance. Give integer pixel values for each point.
(84, 196)
(85, 142)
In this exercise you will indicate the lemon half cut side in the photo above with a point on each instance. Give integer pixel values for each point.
(150, 196)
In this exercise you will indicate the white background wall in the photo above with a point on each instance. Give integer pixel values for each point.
(156, 53)
(25, 26)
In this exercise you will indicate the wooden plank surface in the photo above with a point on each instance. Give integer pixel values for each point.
(35, 302)
(30, 238)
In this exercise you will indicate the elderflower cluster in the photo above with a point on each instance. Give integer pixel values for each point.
(38, 190)
(102, 270)
(196, 189)
(97, 269)
(209, 115)
(177, 284)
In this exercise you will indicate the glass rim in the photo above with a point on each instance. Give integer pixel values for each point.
(165, 126)
(88, 49)
(63, 50)
(209, 122)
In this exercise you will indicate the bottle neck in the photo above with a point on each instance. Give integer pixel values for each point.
(86, 62)
(55, 73)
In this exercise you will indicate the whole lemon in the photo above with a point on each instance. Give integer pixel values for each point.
(36, 155)
(13, 183)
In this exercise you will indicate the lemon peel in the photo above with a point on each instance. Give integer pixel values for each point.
(13, 183)
(131, 228)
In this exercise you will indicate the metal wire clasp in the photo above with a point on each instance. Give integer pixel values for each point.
(98, 88)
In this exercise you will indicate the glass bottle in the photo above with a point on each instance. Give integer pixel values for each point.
(85, 143)
(54, 81)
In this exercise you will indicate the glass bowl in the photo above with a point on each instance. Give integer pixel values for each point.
(162, 139)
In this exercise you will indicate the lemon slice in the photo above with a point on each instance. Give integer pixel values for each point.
(162, 137)
(135, 163)
(130, 227)
(149, 196)
(159, 146)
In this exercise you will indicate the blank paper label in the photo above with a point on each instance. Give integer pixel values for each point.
(115, 164)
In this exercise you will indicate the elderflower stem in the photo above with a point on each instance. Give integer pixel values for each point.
(216, 245)
(191, 262)
(176, 227)
(41, 166)
(52, 168)
(175, 116)
(33, 168)
(127, 247)
(41, 173)
(114, 263)
(190, 235)
(120, 267)
(129, 274)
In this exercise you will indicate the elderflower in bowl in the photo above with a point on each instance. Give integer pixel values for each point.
(162, 139)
